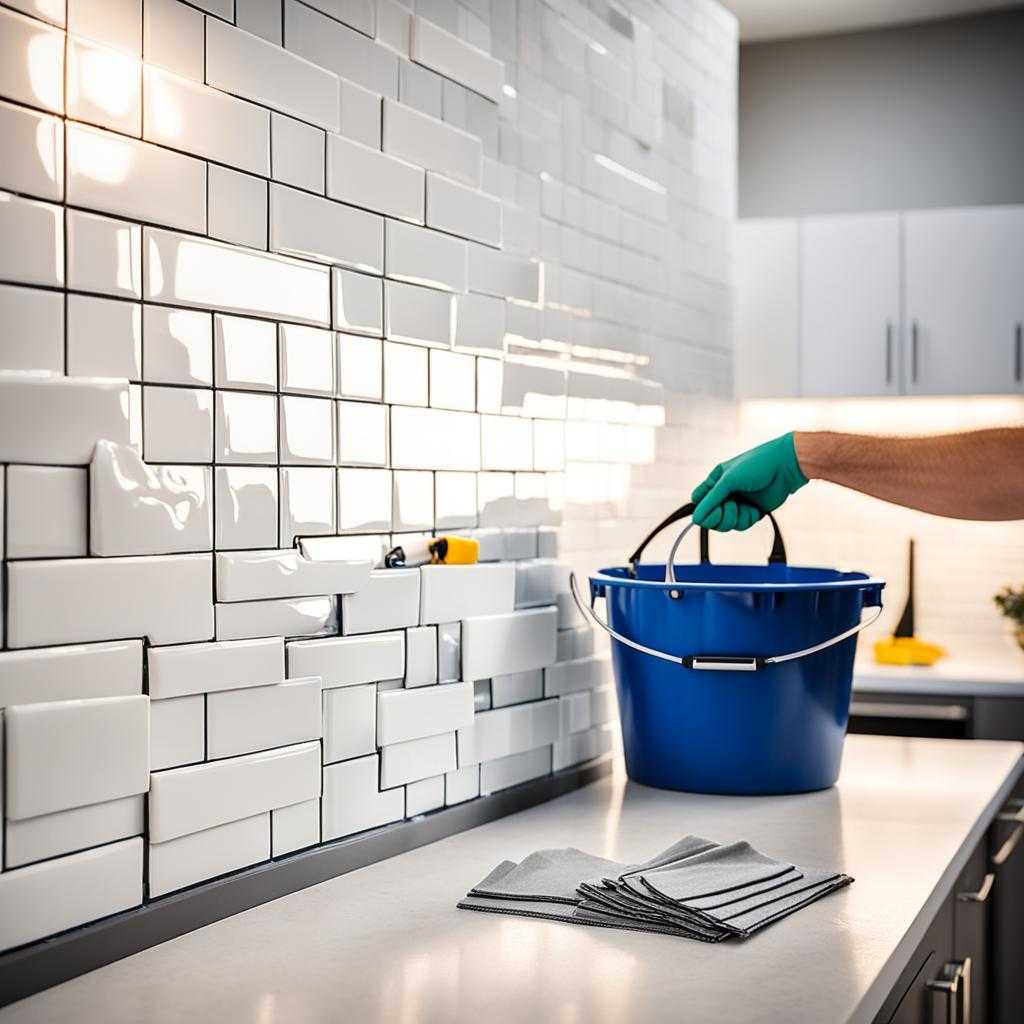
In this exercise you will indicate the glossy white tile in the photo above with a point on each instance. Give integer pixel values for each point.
(452, 380)
(358, 302)
(406, 374)
(454, 592)
(73, 753)
(463, 211)
(390, 600)
(413, 501)
(33, 334)
(422, 315)
(31, 62)
(76, 672)
(297, 153)
(245, 353)
(364, 176)
(238, 207)
(434, 439)
(421, 656)
(360, 364)
(461, 785)
(548, 445)
(104, 337)
(362, 434)
(59, 894)
(360, 113)
(517, 688)
(506, 442)
(117, 23)
(308, 502)
(449, 652)
(246, 428)
(254, 575)
(248, 66)
(262, 717)
(208, 853)
(394, 23)
(185, 669)
(104, 255)
(58, 420)
(491, 541)
(172, 37)
(513, 642)
(31, 241)
(32, 161)
(452, 57)
(247, 505)
(135, 179)
(424, 796)
(574, 712)
(177, 424)
(350, 722)
(186, 800)
(509, 730)
(421, 256)
(520, 543)
(177, 346)
(431, 143)
(307, 430)
(293, 616)
(539, 582)
(104, 86)
(352, 801)
(364, 500)
(589, 673)
(306, 360)
(574, 749)
(503, 274)
(47, 512)
(454, 500)
(186, 271)
(261, 18)
(349, 661)
(514, 769)
(321, 229)
(368, 547)
(411, 714)
(416, 759)
(480, 326)
(295, 828)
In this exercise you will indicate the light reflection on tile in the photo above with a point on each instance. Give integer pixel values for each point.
(360, 364)
(246, 428)
(452, 380)
(306, 360)
(364, 500)
(245, 353)
(177, 424)
(488, 385)
(548, 445)
(434, 439)
(307, 502)
(505, 443)
(455, 500)
(358, 302)
(104, 87)
(247, 506)
(362, 434)
(177, 345)
(307, 430)
(405, 374)
(414, 500)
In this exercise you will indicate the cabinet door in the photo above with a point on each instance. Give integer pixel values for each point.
(1007, 862)
(974, 895)
(767, 318)
(964, 300)
(850, 305)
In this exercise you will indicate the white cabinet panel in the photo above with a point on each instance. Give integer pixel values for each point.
(964, 300)
(849, 305)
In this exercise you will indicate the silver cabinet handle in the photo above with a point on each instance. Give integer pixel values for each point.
(1005, 852)
(951, 992)
(1018, 354)
(888, 350)
(913, 352)
(981, 896)
(931, 712)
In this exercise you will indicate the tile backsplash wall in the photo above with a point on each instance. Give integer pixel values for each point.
(283, 284)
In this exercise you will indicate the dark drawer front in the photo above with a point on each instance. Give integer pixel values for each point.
(883, 714)
(972, 906)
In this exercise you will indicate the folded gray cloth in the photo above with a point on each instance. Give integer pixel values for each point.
(695, 889)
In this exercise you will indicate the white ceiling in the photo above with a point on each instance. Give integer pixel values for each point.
(783, 19)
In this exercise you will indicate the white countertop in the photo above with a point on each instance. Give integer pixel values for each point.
(386, 943)
(952, 676)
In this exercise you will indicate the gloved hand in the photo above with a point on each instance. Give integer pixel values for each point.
(737, 493)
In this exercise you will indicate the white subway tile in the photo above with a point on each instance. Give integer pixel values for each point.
(246, 428)
(59, 894)
(177, 732)
(574, 712)
(508, 730)
(246, 503)
(394, 23)
(520, 543)
(104, 337)
(412, 760)
(454, 500)
(406, 374)
(290, 616)
(391, 600)
(117, 23)
(493, 272)
(166, 599)
(364, 500)
(188, 271)
(104, 255)
(307, 430)
(360, 113)
(480, 327)
(208, 853)
(421, 656)
(177, 346)
(434, 439)
(363, 548)
(581, 674)
(295, 828)
(204, 668)
(261, 18)
(423, 796)
(575, 749)
(349, 661)
(569, 616)
(449, 647)
(360, 365)
(172, 37)
(72, 753)
(31, 62)
(261, 717)
(33, 333)
(77, 672)
(428, 711)
(47, 512)
(51, 835)
(321, 229)
(297, 153)
(425, 257)
(32, 159)
(463, 211)
(238, 207)
(461, 785)
(362, 434)
(419, 87)
(451, 592)
(186, 800)
(517, 688)
(31, 241)
(603, 705)
(452, 380)
(358, 302)
(531, 390)
(547, 542)
(514, 769)
(413, 501)
(352, 802)
(178, 424)
(491, 541)
(506, 442)
(306, 356)
(252, 575)
(350, 722)
(308, 502)
(245, 354)
(539, 581)
(104, 87)
(364, 176)
(514, 642)
(135, 179)
(431, 143)
(345, 51)
(248, 66)
(453, 58)
(139, 509)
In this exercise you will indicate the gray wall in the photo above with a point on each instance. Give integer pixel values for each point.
(922, 115)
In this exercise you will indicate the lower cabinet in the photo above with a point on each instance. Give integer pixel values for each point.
(1007, 866)
(973, 901)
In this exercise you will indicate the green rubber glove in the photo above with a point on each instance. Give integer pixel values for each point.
(737, 493)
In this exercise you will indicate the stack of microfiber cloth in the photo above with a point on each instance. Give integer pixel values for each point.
(695, 889)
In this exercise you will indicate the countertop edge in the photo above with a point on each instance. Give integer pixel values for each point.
(873, 999)
(938, 687)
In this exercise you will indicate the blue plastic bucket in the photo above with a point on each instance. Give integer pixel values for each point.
(721, 716)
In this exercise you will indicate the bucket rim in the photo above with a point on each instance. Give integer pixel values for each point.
(847, 581)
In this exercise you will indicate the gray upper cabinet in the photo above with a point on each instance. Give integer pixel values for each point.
(850, 305)
(964, 300)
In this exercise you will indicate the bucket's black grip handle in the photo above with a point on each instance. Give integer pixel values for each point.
(776, 557)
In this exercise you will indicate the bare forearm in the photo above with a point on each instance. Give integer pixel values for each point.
(976, 475)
